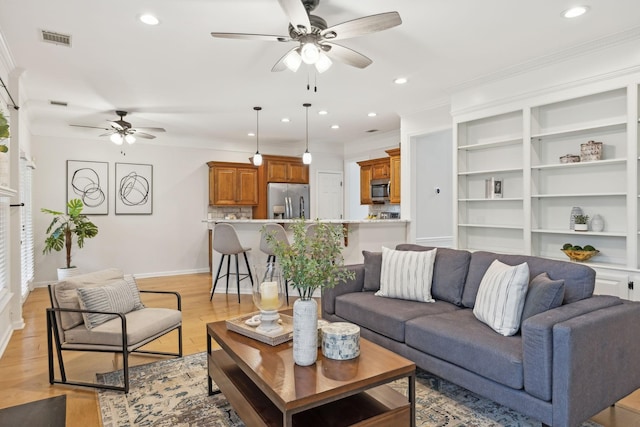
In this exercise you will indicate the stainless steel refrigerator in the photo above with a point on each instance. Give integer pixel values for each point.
(286, 201)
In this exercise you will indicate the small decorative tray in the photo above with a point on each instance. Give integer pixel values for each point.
(240, 326)
(579, 255)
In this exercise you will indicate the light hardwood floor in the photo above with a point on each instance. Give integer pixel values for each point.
(23, 367)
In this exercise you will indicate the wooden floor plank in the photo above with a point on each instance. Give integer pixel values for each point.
(23, 367)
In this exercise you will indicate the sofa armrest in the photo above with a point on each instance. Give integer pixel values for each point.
(176, 294)
(356, 284)
(595, 362)
(537, 341)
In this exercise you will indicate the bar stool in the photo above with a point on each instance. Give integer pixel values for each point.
(279, 234)
(226, 242)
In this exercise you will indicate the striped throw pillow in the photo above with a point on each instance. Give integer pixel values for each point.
(501, 297)
(407, 274)
(115, 297)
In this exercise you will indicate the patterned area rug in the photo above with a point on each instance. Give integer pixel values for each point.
(174, 393)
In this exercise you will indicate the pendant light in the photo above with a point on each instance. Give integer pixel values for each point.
(257, 158)
(306, 157)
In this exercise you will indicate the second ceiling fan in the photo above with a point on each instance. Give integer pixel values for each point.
(315, 40)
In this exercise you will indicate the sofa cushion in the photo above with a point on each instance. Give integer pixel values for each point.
(372, 268)
(141, 324)
(543, 294)
(406, 274)
(385, 316)
(459, 338)
(579, 279)
(449, 271)
(66, 296)
(501, 297)
(116, 297)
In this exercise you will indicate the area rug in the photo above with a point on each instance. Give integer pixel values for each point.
(51, 412)
(174, 393)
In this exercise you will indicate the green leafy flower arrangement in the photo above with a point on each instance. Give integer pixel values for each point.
(313, 260)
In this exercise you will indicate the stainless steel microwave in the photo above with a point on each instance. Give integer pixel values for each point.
(379, 190)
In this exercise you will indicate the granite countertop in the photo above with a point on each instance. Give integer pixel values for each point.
(290, 221)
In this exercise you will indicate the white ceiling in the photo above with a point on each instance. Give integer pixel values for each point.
(203, 90)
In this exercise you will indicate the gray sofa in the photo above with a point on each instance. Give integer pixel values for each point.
(565, 364)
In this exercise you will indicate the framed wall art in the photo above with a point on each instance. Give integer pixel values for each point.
(134, 189)
(89, 182)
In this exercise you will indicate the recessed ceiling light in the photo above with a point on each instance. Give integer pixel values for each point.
(372, 114)
(335, 126)
(251, 134)
(323, 112)
(400, 80)
(574, 12)
(285, 120)
(149, 19)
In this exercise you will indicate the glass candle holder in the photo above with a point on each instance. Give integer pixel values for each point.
(268, 296)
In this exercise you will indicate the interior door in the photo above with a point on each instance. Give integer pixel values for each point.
(330, 195)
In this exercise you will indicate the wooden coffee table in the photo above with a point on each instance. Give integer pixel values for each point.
(266, 387)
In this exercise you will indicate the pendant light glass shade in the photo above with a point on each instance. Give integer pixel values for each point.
(293, 60)
(323, 63)
(257, 158)
(306, 157)
(130, 139)
(310, 53)
(116, 138)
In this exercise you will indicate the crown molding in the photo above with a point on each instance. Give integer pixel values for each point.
(553, 58)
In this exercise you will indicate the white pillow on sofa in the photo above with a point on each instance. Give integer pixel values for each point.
(115, 297)
(407, 274)
(501, 297)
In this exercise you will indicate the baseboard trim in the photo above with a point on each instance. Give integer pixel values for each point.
(440, 242)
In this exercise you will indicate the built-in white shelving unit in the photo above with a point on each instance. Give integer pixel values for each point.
(522, 146)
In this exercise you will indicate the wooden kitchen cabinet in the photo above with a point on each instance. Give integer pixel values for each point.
(290, 170)
(365, 185)
(380, 169)
(394, 174)
(232, 184)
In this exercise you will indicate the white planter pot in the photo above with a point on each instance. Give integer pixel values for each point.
(63, 273)
(305, 332)
(581, 227)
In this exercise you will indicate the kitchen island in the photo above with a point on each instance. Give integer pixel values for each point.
(366, 234)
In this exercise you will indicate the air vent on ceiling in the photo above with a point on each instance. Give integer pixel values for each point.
(372, 130)
(56, 38)
(59, 103)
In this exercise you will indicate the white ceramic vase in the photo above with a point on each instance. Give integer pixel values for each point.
(63, 273)
(597, 223)
(305, 332)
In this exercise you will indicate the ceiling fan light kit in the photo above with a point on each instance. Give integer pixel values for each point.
(315, 39)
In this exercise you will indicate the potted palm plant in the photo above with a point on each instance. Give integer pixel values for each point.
(4, 148)
(313, 260)
(62, 229)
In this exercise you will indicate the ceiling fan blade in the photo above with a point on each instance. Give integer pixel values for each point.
(108, 133)
(90, 127)
(145, 129)
(347, 56)
(297, 14)
(243, 36)
(365, 25)
(280, 65)
(144, 135)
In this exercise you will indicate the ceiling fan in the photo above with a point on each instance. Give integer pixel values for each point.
(121, 130)
(315, 39)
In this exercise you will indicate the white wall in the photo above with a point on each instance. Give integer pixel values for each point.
(433, 164)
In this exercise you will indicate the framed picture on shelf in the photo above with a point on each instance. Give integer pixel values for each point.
(134, 189)
(493, 188)
(89, 182)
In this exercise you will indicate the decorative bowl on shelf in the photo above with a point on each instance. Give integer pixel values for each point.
(579, 255)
